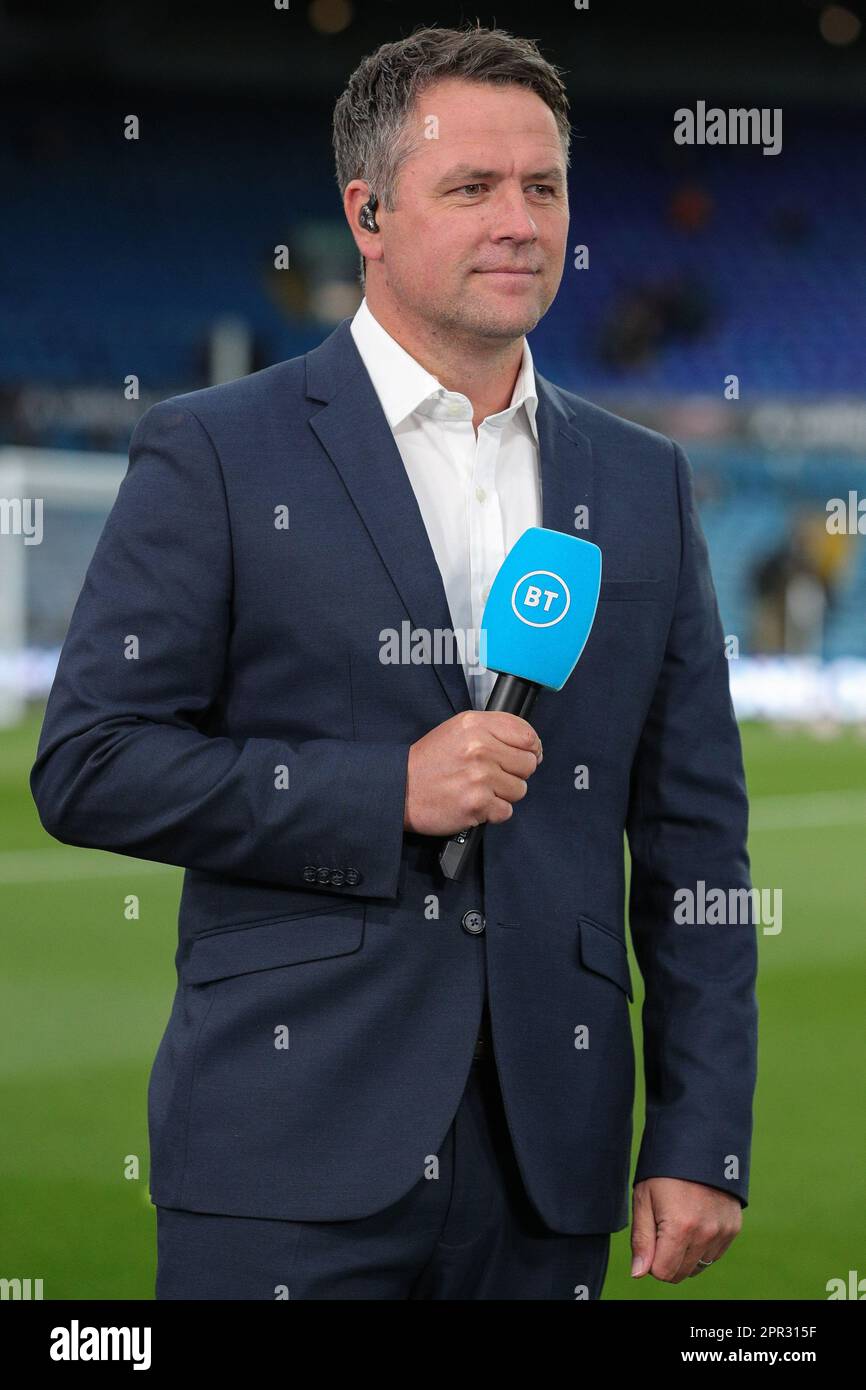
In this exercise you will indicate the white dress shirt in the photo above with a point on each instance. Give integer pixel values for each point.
(476, 493)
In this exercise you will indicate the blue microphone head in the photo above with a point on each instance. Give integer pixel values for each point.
(541, 607)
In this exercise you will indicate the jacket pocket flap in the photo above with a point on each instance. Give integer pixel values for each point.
(619, 589)
(603, 952)
(285, 942)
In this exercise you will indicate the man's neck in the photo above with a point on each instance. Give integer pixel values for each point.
(485, 370)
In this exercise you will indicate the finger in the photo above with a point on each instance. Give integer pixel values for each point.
(495, 798)
(514, 731)
(707, 1249)
(508, 787)
(669, 1254)
(643, 1236)
(499, 811)
(516, 761)
(714, 1252)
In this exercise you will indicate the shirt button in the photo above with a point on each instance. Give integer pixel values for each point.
(485, 592)
(473, 922)
(481, 494)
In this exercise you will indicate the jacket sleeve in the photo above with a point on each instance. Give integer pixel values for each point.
(687, 823)
(124, 762)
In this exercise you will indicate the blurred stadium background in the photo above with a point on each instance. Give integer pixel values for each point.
(153, 260)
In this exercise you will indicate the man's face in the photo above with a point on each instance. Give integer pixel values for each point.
(476, 243)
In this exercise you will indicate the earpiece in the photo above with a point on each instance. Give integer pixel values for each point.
(367, 215)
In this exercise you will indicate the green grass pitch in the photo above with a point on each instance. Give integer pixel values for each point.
(85, 994)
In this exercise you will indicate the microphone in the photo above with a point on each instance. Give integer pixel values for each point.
(536, 620)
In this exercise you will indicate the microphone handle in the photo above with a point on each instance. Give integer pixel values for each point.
(514, 695)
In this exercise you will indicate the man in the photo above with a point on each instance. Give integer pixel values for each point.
(377, 1082)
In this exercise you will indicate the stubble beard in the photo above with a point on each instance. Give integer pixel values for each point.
(460, 318)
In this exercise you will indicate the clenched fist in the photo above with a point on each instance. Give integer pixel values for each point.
(468, 771)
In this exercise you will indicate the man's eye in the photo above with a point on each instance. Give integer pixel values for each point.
(472, 189)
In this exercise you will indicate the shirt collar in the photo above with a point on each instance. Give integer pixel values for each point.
(403, 385)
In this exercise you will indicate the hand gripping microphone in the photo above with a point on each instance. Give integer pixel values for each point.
(538, 615)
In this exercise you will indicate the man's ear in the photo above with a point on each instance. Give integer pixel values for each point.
(356, 196)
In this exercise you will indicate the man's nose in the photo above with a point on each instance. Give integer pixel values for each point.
(512, 219)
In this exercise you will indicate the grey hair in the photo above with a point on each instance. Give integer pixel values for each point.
(369, 128)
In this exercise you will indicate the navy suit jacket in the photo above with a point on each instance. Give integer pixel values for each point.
(220, 704)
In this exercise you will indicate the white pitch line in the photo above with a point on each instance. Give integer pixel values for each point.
(807, 810)
(44, 865)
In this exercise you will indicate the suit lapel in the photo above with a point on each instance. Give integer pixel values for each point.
(566, 464)
(352, 428)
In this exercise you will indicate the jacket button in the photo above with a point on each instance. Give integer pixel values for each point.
(324, 875)
(310, 873)
(353, 876)
(337, 877)
(473, 922)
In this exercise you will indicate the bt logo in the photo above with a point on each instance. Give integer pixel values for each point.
(541, 598)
